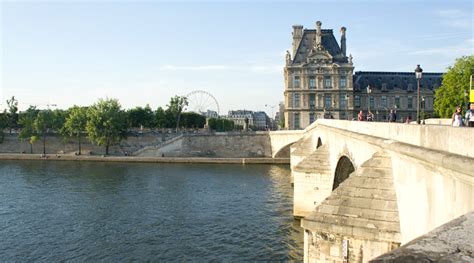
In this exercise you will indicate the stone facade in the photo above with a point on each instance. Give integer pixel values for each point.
(318, 77)
(319, 83)
(259, 119)
(395, 91)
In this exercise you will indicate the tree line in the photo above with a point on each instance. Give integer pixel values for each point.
(105, 123)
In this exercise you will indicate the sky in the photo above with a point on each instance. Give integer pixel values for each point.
(68, 53)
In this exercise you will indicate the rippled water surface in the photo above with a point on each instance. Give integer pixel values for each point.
(52, 211)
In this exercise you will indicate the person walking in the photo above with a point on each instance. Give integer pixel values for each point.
(392, 117)
(470, 116)
(456, 120)
(370, 116)
(360, 116)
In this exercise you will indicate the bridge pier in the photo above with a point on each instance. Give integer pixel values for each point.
(359, 219)
(312, 182)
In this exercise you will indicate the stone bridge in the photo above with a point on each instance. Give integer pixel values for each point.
(281, 141)
(365, 188)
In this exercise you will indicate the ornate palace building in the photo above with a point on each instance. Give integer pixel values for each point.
(320, 83)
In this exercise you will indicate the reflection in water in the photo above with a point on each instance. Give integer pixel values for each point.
(115, 211)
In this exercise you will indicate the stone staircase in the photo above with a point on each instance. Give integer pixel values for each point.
(362, 209)
(157, 146)
(300, 150)
(312, 181)
(317, 161)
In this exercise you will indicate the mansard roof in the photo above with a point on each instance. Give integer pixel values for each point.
(328, 42)
(395, 81)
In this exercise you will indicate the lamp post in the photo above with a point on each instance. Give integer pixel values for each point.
(272, 117)
(418, 73)
(466, 98)
(369, 90)
(423, 109)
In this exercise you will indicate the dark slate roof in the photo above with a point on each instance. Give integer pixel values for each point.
(401, 81)
(308, 40)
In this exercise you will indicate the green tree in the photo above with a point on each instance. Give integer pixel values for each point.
(139, 116)
(26, 121)
(176, 106)
(221, 125)
(160, 118)
(282, 121)
(106, 123)
(33, 140)
(13, 108)
(75, 123)
(454, 87)
(3, 124)
(41, 124)
(58, 119)
(192, 120)
(170, 119)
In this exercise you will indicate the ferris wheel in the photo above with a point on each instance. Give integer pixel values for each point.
(202, 102)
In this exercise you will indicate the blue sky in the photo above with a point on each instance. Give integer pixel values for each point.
(74, 52)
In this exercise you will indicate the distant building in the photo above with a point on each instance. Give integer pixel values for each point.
(319, 83)
(238, 116)
(211, 114)
(395, 91)
(259, 120)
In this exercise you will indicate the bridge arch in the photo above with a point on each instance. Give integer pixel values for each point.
(284, 152)
(344, 168)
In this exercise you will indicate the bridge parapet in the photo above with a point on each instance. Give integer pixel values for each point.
(457, 140)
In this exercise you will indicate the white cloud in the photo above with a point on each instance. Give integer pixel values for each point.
(455, 18)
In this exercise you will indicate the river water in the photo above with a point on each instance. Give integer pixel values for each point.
(81, 211)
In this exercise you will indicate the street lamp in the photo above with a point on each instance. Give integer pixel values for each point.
(418, 73)
(272, 117)
(369, 90)
(423, 109)
(466, 98)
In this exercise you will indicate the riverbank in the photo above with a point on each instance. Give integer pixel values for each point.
(135, 159)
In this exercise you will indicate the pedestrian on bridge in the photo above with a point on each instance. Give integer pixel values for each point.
(456, 120)
(470, 116)
(392, 117)
(360, 116)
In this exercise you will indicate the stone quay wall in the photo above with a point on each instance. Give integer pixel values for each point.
(227, 145)
(223, 145)
(56, 144)
(217, 145)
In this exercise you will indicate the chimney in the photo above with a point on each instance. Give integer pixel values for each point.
(297, 36)
(318, 34)
(343, 41)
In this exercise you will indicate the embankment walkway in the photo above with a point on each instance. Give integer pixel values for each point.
(135, 159)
